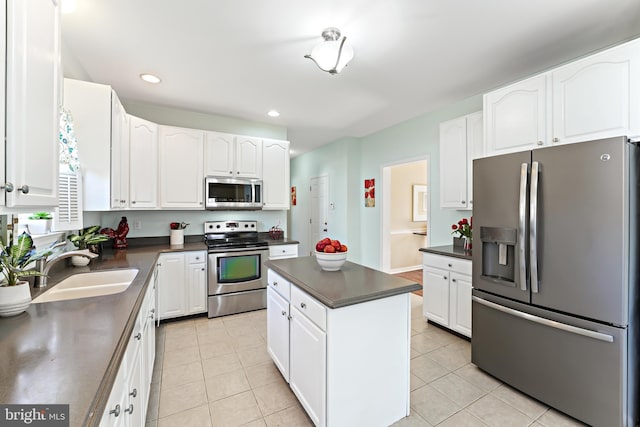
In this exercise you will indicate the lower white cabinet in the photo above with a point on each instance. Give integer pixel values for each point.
(127, 403)
(283, 251)
(447, 292)
(182, 284)
(347, 366)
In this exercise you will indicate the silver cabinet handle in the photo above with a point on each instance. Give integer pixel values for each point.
(303, 305)
(134, 393)
(540, 143)
(463, 202)
(533, 226)
(453, 280)
(289, 317)
(230, 173)
(139, 336)
(445, 277)
(24, 189)
(202, 268)
(450, 265)
(133, 201)
(546, 322)
(555, 140)
(7, 186)
(522, 224)
(129, 409)
(284, 313)
(115, 411)
(275, 283)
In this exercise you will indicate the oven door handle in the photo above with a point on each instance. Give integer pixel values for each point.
(245, 249)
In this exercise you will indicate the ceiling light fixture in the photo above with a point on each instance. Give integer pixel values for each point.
(333, 54)
(273, 113)
(150, 78)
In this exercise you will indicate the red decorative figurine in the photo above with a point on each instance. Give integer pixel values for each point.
(119, 236)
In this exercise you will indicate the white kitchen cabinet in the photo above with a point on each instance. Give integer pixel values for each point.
(32, 83)
(597, 96)
(275, 174)
(233, 155)
(128, 400)
(181, 168)
(447, 292)
(283, 251)
(182, 282)
(460, 142)
(314, 348)
(101, 128)
(143, 158)
(587, 99)
(515, 117)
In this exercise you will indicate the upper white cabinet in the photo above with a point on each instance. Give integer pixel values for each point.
(181, 164)
(587, 99)
(598, 96)
(233, 155)
(275, 174)
(516, 116)
(460, 142)
(143, 159)
(102, 131)
(33, 84)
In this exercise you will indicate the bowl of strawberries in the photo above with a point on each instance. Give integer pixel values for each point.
(330, 254)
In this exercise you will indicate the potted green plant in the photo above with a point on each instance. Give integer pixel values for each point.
(88, 238)
(39, 223)
(16, 261)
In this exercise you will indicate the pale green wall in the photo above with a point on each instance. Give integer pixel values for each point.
(365, 157)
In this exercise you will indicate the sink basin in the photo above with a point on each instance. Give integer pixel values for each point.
(85, 285)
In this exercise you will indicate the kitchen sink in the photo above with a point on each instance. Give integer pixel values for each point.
(85, 285)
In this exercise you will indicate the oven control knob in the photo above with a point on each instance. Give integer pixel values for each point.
(218, 226)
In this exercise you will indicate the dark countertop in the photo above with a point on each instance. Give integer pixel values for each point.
(69, 352)
(272, 242)
(352, 284)
(448, 250)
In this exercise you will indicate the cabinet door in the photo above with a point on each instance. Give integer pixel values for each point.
(143, 158)
(435, 285)
(278, 331)
(275, 174)
(475, 148)
(181, 163)
(32, 101)
(308, 366)
(248, 157)
(516, 116)
(597, 97)
(197, 288)
(453, 164)
(219, 154)
(3, 56)
(460, 299)
(171, 286)
(119, 154)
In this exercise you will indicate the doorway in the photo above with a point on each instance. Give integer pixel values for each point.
(405, 214)
(319, 215)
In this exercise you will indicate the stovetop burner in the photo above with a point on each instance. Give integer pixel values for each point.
(220, 235)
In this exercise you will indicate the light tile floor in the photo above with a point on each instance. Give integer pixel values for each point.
(216, 372)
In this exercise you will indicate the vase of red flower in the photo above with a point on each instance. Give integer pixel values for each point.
(464, 230)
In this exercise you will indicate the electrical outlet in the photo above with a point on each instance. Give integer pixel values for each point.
(137, 224)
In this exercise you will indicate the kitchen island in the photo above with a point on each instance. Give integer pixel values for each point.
(341, 339)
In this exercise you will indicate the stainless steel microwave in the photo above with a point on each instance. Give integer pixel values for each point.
(233, 193)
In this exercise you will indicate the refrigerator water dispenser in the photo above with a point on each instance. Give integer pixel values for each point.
(499, 254)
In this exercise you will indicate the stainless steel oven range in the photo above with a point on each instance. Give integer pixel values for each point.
(237, 279)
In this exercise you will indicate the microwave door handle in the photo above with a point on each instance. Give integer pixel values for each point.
(522, 224)
(533, 226)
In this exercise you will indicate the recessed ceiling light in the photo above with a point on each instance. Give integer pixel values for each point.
(150, 78)
(273, 113)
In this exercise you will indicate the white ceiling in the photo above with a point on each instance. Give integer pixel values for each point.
(241, 58)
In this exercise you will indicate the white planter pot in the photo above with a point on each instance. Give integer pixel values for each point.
(14, 299)
(79, 261)
(39, 226)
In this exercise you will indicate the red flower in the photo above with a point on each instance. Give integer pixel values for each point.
(454, 227)
(464, 221)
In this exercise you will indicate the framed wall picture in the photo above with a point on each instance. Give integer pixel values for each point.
(294, 197)
(419, 202)
(369, 193)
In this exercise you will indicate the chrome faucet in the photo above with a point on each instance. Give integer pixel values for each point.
(43, 265)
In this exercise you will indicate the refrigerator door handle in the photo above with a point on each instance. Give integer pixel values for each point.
(533, 226)
(522, 226)
(546, 322)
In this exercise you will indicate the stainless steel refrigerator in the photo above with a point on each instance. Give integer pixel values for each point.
(555, 276)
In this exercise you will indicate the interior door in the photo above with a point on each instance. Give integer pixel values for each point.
(498, 183)
(583, 229)
(319, 221)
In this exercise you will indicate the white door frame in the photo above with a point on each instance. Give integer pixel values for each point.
(385, 238)
(310, 229)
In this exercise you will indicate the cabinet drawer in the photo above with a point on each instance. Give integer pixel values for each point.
(279, 284)
(458, 265)
(283, 251)
(315, 311)
(196, 257)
